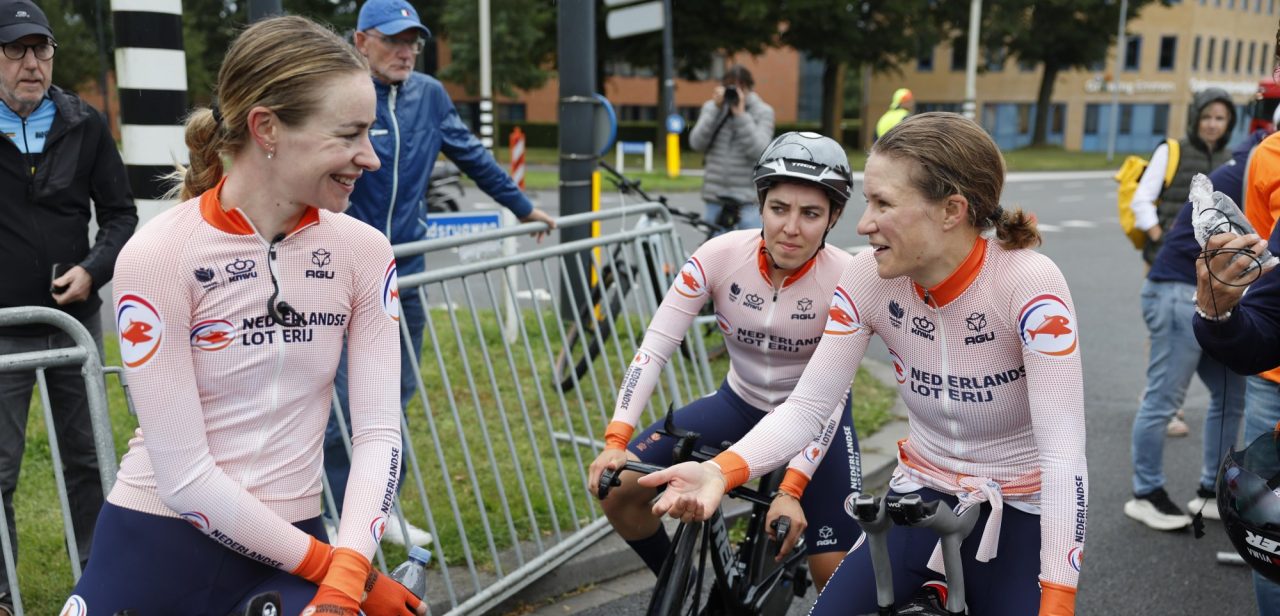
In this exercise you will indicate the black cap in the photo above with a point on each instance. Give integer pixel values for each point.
(19, 18)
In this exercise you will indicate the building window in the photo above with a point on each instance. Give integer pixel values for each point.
(995, 59)
(1263, 57)
(959, 53)
(1160, 120)
(924, 58)
(1226, 48)
(949, 107)
(1252, 51)
(511, 112)
(637, 113)
(1213, 46)
(1239, 52)
(1058, 119)
(1126, 119)
(1133, 53)
(1168, 51)
(1195, 55)
(1024, 118)
(1091, 118)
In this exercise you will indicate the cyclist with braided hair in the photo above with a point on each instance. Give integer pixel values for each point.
(771, 290)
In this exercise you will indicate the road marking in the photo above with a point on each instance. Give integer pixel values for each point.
(1070, 198)
(1079, 224)
(1047, 228)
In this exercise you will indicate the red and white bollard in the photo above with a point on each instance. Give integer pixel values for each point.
(517, 156)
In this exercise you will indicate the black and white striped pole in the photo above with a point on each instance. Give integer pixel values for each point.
(151, 76)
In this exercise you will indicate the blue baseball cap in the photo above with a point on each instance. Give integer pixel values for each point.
(390, 17)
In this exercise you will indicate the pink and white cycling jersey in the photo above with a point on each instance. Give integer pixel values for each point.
(988, 363)
(770, 332)
(232, 405)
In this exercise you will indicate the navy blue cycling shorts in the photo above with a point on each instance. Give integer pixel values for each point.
(1008, 585)
(157, 565)
(724, 416)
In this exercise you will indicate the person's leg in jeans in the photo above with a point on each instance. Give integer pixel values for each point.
(1261, 413)
(15, 400)
(70, 405)
(712, 213)
(749, 217)
(1222, 422)
(1175, 355)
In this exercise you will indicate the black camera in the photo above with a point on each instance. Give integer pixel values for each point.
(731, 96)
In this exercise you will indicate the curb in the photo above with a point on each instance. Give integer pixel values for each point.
(611, 558)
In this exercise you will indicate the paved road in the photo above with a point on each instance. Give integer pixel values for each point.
(1128, 568)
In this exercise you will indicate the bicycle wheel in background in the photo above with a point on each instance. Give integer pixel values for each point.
(673, 592)
(584, 336)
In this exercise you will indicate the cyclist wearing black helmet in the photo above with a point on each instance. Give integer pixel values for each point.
(771, 290)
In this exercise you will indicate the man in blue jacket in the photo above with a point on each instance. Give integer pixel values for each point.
(415, 122)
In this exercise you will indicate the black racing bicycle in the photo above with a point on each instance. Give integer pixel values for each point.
(619, 275)
(743, 579)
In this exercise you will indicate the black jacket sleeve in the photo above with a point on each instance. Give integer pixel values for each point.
(112, 202)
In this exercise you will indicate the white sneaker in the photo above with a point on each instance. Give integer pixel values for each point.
(417, 536)
(1157, 511)
(1177, 426)
(1208, 500)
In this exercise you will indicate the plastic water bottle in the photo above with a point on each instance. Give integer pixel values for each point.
(412, 573)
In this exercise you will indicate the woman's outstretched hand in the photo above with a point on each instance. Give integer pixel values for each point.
(693, 490)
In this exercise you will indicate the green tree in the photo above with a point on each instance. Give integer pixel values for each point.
(522, 44)
(76, 63)
(1059, 35)
(874, 34)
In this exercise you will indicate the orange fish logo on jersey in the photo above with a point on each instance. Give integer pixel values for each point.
(899, 367)
(136, 333)
(812, 453)
(692, 281)
(140, 327)
(74, 606)
(843, 317)
(391, 292)
(1047, 326)
(213, 335)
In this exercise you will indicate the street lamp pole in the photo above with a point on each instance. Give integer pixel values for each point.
(971, 61)
(1121, 46)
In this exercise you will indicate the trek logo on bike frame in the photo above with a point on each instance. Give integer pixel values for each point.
(720, 537)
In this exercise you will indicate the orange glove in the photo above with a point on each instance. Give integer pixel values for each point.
(343, 586)
(387, 597)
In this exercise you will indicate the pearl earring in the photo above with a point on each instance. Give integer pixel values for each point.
(270, 154)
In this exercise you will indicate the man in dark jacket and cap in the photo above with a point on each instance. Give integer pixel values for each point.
(57, 157)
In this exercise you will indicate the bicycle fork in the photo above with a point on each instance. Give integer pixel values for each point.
(876, 515)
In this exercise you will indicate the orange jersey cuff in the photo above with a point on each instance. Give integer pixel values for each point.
(1057, 599)
(794, 483)
(348, 572)
(315, 564)
(618, 434)
(734, 468)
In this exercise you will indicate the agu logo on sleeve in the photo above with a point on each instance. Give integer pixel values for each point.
(843, 317)
(391, 292)
(140, 330)
(213, 334)
(74, 607)
(691, 282)
(1047, 326)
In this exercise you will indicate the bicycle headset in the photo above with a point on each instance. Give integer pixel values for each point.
(1249, 502)
(805, 157)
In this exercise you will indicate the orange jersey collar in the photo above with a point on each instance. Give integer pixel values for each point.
(955, 284)
(234, 221)
(762, 261)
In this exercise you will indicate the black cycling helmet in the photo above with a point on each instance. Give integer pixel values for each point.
(805, 157)
(1249, 503)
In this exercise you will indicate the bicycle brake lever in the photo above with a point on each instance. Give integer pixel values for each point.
(608, 479)
(781, 527)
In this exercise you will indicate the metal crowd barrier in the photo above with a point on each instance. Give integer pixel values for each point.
(85, 355)
(498, 454)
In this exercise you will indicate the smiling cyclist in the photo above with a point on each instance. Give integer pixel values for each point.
(771, 290)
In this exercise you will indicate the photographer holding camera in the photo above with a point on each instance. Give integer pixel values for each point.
(733, 128)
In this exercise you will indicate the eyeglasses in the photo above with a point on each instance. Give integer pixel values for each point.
(397, 44)
(18, 51)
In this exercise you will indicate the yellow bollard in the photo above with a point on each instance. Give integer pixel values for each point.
(595, 224)
(673, 155)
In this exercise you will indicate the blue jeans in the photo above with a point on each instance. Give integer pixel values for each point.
(1168, 309)
(337, 465)
(748, 215)
(1261, 412)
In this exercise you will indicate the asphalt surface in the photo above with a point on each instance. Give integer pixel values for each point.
(1128, 568)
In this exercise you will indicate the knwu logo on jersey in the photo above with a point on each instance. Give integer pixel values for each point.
(1047, 326)
(923, 327)
(241, 269)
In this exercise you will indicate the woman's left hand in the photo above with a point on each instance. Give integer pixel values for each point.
(1219, 283)
(786, 504)
(387, 597)
(693, 491)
